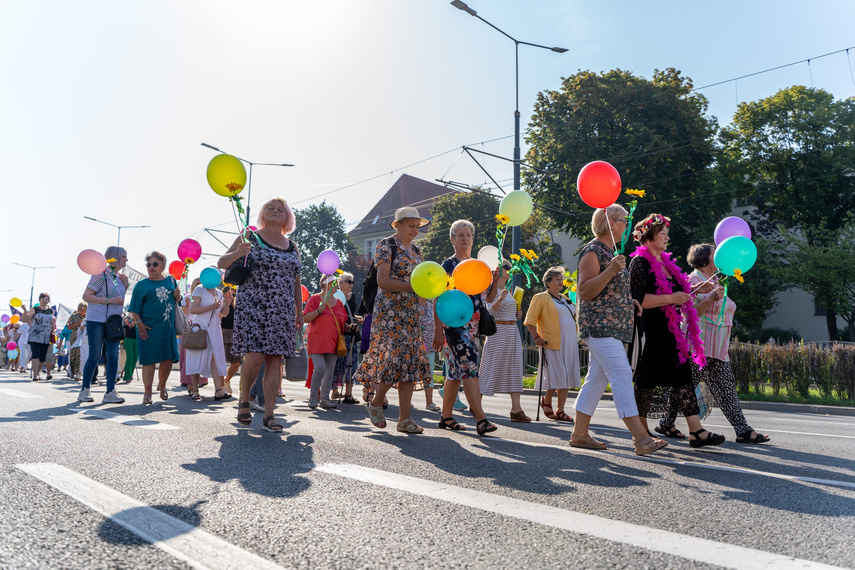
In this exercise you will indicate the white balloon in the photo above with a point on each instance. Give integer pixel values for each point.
(489, 254)
(340, 296)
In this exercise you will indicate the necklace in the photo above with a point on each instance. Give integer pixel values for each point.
(691, 347)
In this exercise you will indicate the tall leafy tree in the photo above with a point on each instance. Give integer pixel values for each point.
(320, 227)
(794, 153)
(655, 132)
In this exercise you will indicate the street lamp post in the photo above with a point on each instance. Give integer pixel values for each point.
(516, 235)
(119, 236)
(249, 178)
(33, 282)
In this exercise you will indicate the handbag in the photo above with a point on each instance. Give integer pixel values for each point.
(113, 328)
(486, 323)
(705, 400)
(196, 338)
(238, 272)
(182, 322)
(340, 347)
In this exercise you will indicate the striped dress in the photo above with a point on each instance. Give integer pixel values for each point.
(502, 360)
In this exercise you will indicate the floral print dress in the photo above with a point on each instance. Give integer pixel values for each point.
(396, 353)
(154, 302)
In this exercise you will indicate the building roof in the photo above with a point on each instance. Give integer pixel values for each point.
(407, 191)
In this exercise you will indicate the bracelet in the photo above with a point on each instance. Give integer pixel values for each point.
(137, 322)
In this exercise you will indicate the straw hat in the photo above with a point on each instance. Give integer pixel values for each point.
(409, 212)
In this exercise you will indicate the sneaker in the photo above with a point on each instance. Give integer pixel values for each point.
(327, 404)
(458, 405)
(113, 398)
(313, 402)
(254, 405)
(84, 396)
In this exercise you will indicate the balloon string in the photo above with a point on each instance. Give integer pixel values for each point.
(606, 213)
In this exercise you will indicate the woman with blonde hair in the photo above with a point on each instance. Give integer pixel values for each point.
(268, 311)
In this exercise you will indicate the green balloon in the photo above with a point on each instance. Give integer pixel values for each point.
(428, 279)
(736, 252)
(517, 206)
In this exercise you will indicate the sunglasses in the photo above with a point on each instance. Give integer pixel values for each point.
(506, 267)
(153, 264)
(347, 281)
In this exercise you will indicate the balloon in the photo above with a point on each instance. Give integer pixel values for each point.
(12, 354)
(328, 262)
(736, 252)
(176, 269)
(4, 318)
(91, 262)
(598, 184)
(454, 308)
(305, 293)
(729, 227)
(517, 206)
(226, 175)
(210, 278)
(253, 228)
(428, 279)
(189, 251)
(11, 345)
(340, 296)
(14, 319)
(473, 276)
(489, 254)
(16, 302)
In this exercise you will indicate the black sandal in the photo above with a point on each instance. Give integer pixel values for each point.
(670, 431)
(244, 418)
(746, 438)
(711, 439)
(449, 423)
(485, 427)
(270, 424)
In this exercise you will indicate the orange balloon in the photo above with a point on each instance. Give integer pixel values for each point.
(14, 319)
(473, 276)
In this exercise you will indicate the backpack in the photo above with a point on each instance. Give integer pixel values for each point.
(369, 284)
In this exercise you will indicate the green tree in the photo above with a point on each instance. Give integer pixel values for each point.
(655, 132)
(793, 154)
(319, 227)
(756, 298)
(828, 270)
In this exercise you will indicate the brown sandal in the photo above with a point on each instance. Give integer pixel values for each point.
(562, 417)
(648, 445)
(547, 408)
(586, 442)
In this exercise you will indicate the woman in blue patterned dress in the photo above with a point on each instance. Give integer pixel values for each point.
(268, 311)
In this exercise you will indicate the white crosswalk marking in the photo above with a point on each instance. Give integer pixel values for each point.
(17, 393)
(126, 420)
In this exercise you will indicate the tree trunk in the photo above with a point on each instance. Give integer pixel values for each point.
(831, 323)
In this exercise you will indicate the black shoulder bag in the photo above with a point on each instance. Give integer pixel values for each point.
(113, 329)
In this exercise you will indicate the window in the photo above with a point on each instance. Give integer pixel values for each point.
(818, 310)
(370, 244)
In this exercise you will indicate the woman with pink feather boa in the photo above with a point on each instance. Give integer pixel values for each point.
(671, 331)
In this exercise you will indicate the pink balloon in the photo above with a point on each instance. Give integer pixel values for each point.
(11, 345)
(189, 250)
(729, 227)
(328, 262)
(91, 262)
(253, 228)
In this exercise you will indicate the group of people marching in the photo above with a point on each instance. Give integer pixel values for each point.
(684, 324)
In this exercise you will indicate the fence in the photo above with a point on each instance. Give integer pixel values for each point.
(796, 367)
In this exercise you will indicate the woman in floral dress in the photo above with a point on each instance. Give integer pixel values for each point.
(152, 309)
(397, 355)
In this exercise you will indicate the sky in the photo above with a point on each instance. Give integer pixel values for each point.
(104, 104)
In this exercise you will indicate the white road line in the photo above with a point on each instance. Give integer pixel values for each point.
(678, 462)
(126, 420)
(17, 393)
(185, 542)
(764, 430)
(689, 547)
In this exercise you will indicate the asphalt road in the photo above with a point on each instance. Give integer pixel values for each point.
(179, 484)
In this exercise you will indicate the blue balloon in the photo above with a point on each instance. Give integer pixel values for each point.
(210, 278)
(454, 308)
(736, 252)
(12, 354)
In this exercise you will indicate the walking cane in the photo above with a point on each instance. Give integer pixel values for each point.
(541, 366)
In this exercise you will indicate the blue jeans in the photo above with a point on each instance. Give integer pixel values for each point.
(97, 341)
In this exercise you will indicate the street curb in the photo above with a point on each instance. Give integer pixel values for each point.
(764, 406)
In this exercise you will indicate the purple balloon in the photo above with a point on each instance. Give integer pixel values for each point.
(5, 318)
(328, 262)
(729, 227)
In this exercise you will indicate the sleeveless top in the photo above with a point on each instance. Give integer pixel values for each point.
(609, 314)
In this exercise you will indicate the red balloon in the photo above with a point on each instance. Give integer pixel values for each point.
(598, 184)
(176, 269)
(305, 293)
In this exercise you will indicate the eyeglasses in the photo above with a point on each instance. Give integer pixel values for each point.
(506, 267)
(349, 281)
(153, 264)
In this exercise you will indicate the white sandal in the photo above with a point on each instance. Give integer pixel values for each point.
(409, 426)
(375, 414)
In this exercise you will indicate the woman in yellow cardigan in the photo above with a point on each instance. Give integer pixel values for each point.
(551, 320)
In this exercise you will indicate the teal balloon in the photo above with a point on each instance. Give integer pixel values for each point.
(210, 278)
(736, 252)
(517, 206)
(454, 308)
(12, 354)
(572, 296)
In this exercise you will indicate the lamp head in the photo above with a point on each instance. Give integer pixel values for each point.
(559, 49)
(462, 6)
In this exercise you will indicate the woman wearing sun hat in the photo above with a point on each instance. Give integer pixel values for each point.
(396, 355)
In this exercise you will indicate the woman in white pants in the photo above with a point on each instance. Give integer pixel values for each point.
(605, 323)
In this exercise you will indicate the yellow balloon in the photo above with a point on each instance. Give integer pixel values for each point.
(428, 279)
(226, 175)
(15, 302)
